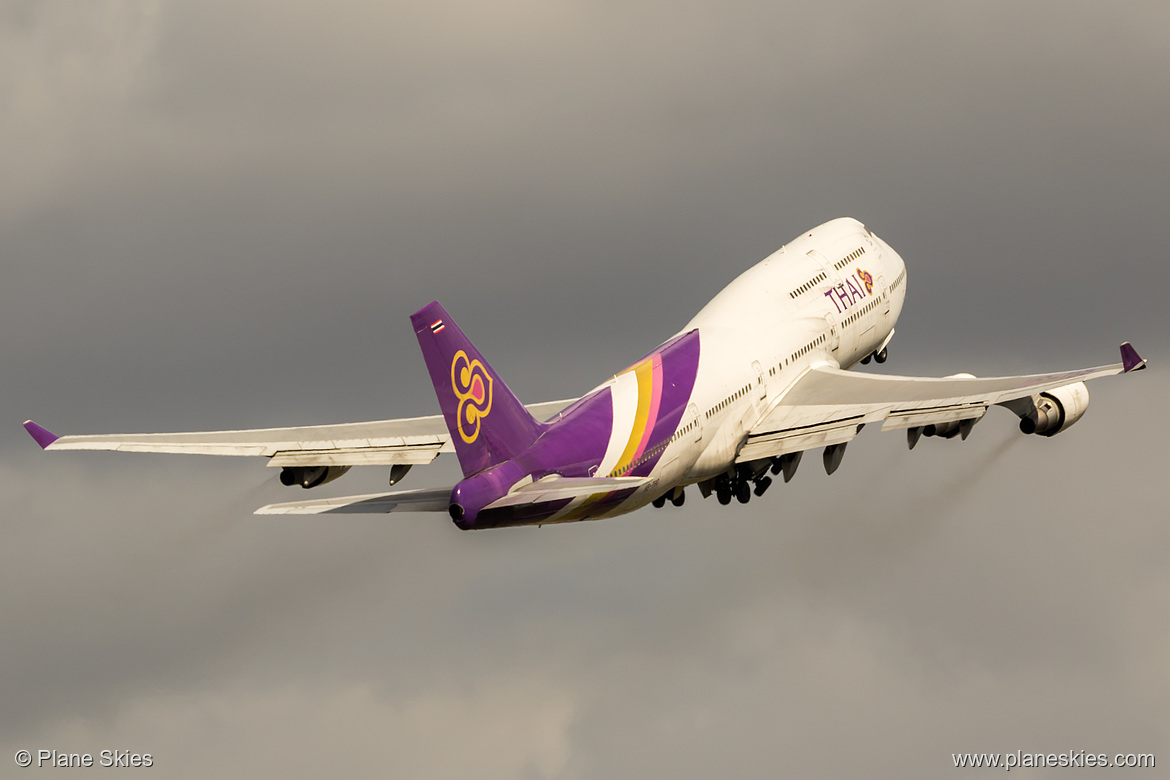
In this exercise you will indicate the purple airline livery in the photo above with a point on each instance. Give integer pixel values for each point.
(754, 380)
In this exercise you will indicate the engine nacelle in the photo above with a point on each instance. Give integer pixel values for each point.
(949, 429)
(945, 430)
(311, 476)
(1056, 410)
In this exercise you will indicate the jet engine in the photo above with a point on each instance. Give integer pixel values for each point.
(946, 430)
(311, 476)
(1055, 410)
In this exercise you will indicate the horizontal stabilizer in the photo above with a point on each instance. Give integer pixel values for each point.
(438, 500)
(554, 488)
(425, 500)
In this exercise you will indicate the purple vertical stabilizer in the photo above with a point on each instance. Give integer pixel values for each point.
(41, 436)
(1130, 359)
(488, 424)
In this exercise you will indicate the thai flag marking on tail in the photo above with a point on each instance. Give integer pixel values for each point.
(437, 326)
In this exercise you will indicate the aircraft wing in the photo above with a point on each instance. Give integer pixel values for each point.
(551, 488)
(829, 406)
(411, 440)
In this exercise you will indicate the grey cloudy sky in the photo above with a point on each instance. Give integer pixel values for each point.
(219, 215)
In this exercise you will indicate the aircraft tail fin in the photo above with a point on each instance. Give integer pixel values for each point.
(488, 424)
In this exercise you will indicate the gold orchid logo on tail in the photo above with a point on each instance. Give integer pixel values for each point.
(473, 387)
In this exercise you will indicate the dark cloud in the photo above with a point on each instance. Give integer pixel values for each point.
(217, 215)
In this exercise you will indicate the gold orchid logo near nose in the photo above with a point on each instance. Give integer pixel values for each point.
(473, 387)
(866, 279)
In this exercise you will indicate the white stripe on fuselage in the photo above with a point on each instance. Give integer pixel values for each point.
(624, 392)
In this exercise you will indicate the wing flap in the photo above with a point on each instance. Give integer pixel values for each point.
(412, 453)
(804, 437)
(917, 418)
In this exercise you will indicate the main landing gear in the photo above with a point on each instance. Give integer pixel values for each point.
(723, 490)
(880, 356)
(748, 479)
(677, 496)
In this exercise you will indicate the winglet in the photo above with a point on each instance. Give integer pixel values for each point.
(1130, 359)
(41, 436)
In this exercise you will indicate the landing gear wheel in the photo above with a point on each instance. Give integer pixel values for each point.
(679, 499)
(659, 502)
(881, 356)
(723, 493)
(865, 360)
(743, 492)
(762, 484)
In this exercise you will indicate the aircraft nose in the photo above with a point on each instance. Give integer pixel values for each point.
(888, 252)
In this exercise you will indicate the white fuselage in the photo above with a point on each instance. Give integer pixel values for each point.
(799, 307)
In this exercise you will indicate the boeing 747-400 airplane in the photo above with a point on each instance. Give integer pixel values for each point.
(754, 380)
